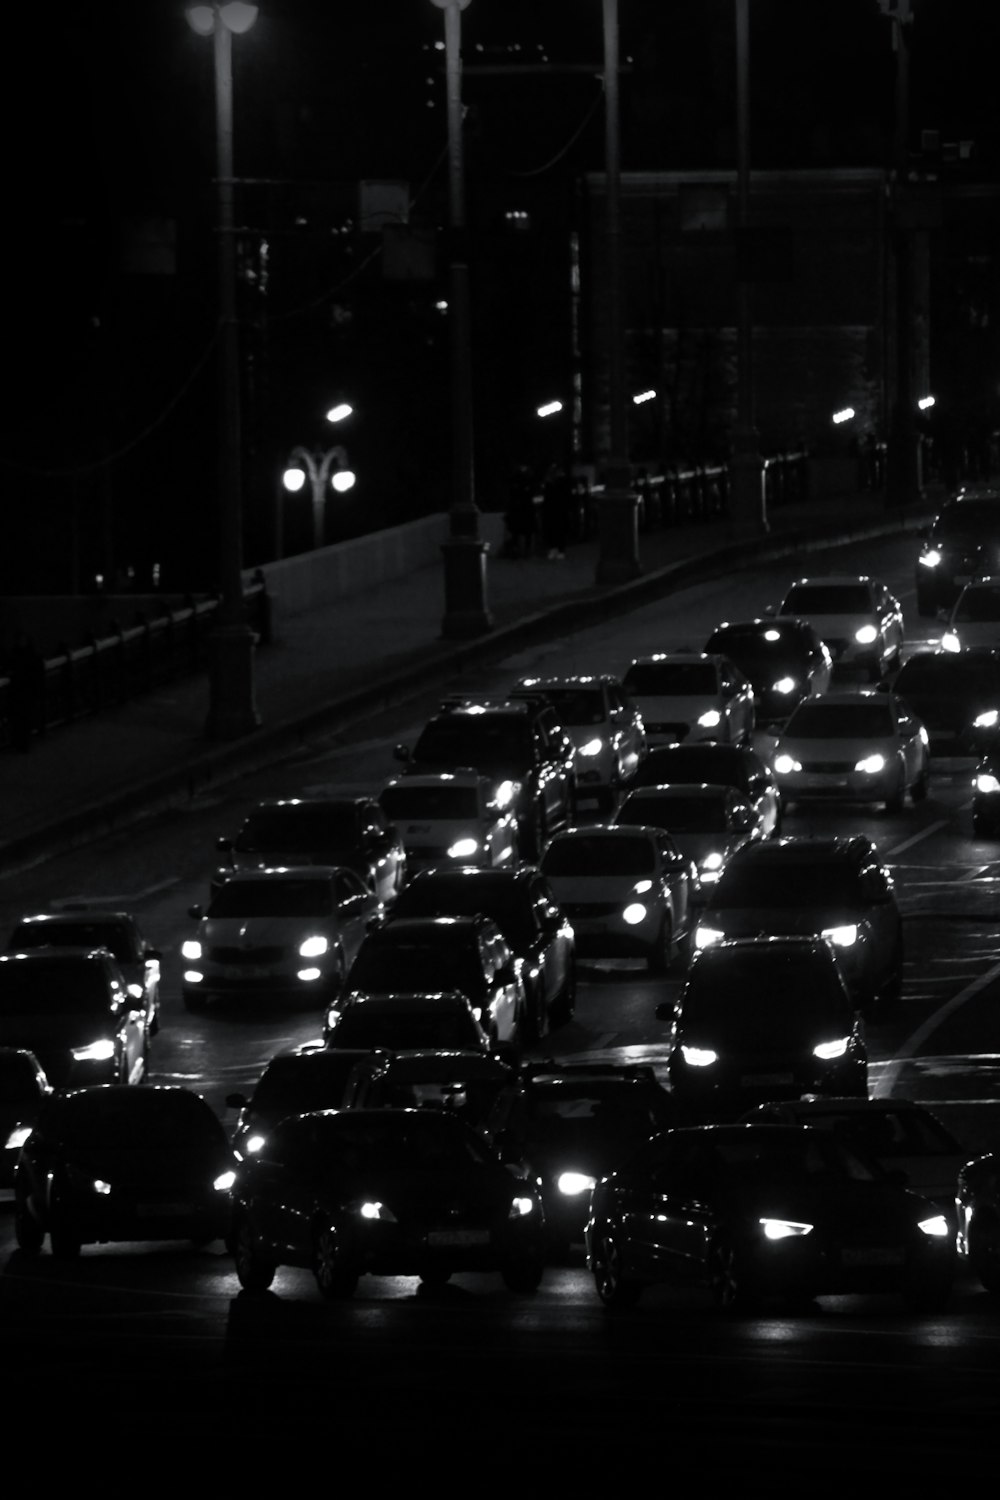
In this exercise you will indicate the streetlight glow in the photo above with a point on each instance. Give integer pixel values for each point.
(643, 396)
(844, 415)
(293, 480)
(236, 16)
(550, 409)
(925, 402)
(343, 480)
(340, 413)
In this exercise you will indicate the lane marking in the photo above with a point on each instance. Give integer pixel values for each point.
(917, 838)
(912, 1045)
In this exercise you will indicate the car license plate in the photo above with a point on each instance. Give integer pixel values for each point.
(826, 783)
(875, 1255)
(247, 971)
(766, 1080)
(457, 1239)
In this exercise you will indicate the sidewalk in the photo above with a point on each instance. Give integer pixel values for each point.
(351, 658)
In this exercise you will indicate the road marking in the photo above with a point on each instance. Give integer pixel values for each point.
(924, 833)
(913, 1044)
(117, 900)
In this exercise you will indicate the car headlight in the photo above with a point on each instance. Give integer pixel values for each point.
(136, 991)
(844, 936)
(642, 886)
(710, 718)
(827, 1051)
(704, 937)
(17, 1137)
(950, 641)
(866, 635)
(191, 949)
(931, 558)
(712, 861)
(253, 1144)
(592, 747)
(634, 913)
(575, 1183)
(785, 764)
(372, 1209)
(313, 947)
(935, 1227)
(224, 1181)
(785, 685)
(101, 1188)
(987, 783)
(95, 1051)
(923, 736)
(783, 1229)
(463, 849)
(309, 976)
(506, 793)
(871, 765)
(987, 720)
(520, 1207)
(698, 1057)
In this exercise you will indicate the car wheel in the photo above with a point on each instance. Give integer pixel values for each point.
(661, 955)
(894, 803)
(731, 1289)
(27, 1231)
(253, 1271)
(523, 1273)
(64, 1236)
(563, 1006)
(536, 1016)
(335, 1281)
(984, 1252)
(615, 1289)
(920, 788)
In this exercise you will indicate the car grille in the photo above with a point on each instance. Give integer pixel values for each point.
(680, 731)
(270, 955)
(830, 767)
(591, 908)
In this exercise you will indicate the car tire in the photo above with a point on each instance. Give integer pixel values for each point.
(984, 1252)
(894, 803)
(616, 1290)
(732, 1291)
(523, 1273)
(660, 958)
(64, 1237)
(253, 1271)
(563, 1007)
(536, 1017)
(335, 1281)
(28, 1233)
(920, 788)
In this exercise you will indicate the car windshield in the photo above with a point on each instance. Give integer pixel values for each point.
(751, 1000)
(415, 1029)
(159, 1120)
(864, 720)
(828, 599)
(272, 898)
(454, 803)
(761, 648)
(437, 961)
(589, 855)
(576, 706)
(464, 896)
(577, 1114)
(499, 743)
(114, 936)
(791, 883)
(755, 1155)
(299, 828)
(969, 516)
(668, 679)
(677, 814)
(979, 604)
(390, 1142)
(53, 989)
(291, 1086)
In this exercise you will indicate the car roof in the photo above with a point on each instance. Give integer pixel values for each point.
(438, 1064)
(462, 776)
(606, 831)
(682, 654)
(846, 697)
(569, 680)
(320, 873)
(791, 847)
(677, 791)
(403, 1001)
(833, 580)
(813, 1104)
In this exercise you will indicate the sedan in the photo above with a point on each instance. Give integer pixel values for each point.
(957, 698)
(72, 1008)
(855, 616)
(78, 926)
(978, 1205)
(24, 1088)
(604, 724)
(629, 892)
(385, 1192)
(784, 658)
(865, 746)
(739, 766)
(974, 622)
(692, 696)
(763, 1210)
(404, 1022)
(707, 823)
(105, 1164)
(281, 934)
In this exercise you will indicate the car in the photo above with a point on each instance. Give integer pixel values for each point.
(708, 823)
(349, 830)
(691, 695)
(974, 621)
(110, 1164)
(520, 745)
(961, 543)
(835, 887)
(986, 796)
(739, 766)
(978, 1208)
(24, 1088)
(465, 1083)
(764, 1017)
(899, 1134)
(73, 1009)
(75, 925)
(384, 1192)
(956, 698)
(605, 725)
(752, 1211)
(571, 1123)
(306, 1078)
(409, 1022)
(283, 935)
(862, 746)
(450, 817)
(520, 900)
(629, 892)
(859, 621)
(783, 657)
(465, 953)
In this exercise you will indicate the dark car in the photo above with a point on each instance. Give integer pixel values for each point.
(308, 1078)
(113, 1163)
(986, 796)
(957, 697)
(784, 658)
(405, 1021)
(465, 1083)
(24, 1088)
(707, 823)
(465, 953)
(571, 1124)
(79, 926)
(978, 1204)
(389, 1192)
(520, 745)
(763, 1210)
(834, 887)
(72, 1008)
(520, 901)
(961, 543)
(737, 766)
(764, 1018)
(348, 830)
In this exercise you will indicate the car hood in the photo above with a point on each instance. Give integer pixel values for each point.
(655, 707)
(871, 1211)
(441, 1197)
(748, 921)
(438, 831)
(269, 859)
(256, 932)
(44, 1035)
(594, 887)
(151, 1170)
(841, 747)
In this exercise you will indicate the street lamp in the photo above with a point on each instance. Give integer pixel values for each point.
(232, 709)
(321, 467)
(464, 552)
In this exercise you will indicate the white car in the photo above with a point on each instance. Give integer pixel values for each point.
(865, 746)
(606, 728)
(691, 695)
(855, 616)
(974, 622)
(451, 818)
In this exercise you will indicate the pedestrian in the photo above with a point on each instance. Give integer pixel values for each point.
(521, 513)
(557, 499)
(25, 694)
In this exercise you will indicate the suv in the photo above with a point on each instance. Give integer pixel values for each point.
(834, 887)
(520, 746)
(692, 695)
(962, 543)
(450, 817)
(606, 728)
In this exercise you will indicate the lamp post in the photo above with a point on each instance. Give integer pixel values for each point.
(746, 469)
(618, 527)
(232, 708)
(465, 612)
(903, 466)
(323, 468)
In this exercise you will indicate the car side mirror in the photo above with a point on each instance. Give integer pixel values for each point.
(401, 752)
(224, 845)
(196, 911)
